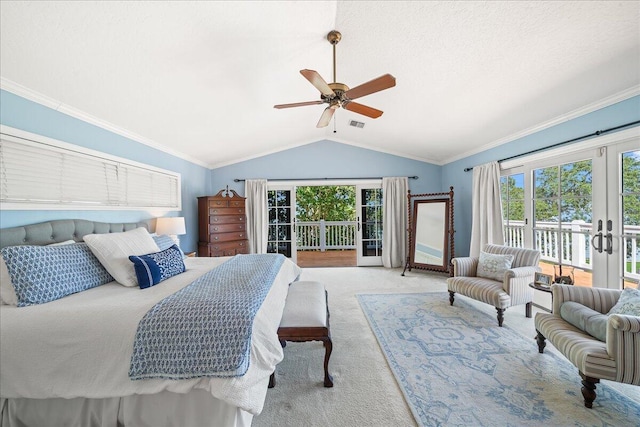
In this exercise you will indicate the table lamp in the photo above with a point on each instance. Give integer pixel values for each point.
(172, 227)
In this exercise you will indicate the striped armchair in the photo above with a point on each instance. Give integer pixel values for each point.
(512, 290)
(616, 359)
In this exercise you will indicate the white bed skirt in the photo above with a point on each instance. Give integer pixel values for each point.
(196, 408)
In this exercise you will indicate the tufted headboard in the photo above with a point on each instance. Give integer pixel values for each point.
(56, 231)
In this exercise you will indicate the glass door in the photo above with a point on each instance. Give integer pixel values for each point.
(369, 224)
(562, 217)
(581, 210)
(621, 227)
(281, 203)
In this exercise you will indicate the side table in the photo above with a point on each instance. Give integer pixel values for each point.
(543, 288)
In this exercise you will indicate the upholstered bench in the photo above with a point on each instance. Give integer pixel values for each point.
(306, 318)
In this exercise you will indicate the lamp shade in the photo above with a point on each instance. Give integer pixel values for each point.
(171, 226)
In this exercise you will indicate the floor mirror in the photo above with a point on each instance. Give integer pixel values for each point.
(430, 232)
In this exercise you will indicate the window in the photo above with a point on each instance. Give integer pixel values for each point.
(50, 174)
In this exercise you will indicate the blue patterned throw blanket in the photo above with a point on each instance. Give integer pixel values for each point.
(204, 330)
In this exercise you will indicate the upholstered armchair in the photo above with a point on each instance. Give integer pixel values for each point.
(617, 358)
(484, 279)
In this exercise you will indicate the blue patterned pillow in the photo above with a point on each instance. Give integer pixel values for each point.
(41, 274)
(165, 242)
(153, 268)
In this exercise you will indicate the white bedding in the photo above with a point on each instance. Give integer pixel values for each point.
(81, 345)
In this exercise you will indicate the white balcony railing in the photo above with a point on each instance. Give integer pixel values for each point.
(571, 244)
(323, 235)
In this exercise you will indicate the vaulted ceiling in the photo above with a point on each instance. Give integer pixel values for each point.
(200, 79)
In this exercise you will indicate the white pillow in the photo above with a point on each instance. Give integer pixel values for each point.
(7, 292)
(493, 266)
(113, 251)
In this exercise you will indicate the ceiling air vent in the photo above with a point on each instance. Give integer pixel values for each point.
(356, 124)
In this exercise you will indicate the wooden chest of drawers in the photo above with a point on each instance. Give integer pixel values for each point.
(222, 225)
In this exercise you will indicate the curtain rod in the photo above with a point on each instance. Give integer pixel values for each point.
(322, 179)
(596, 133)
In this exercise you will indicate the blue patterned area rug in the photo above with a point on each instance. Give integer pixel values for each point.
(456, 367)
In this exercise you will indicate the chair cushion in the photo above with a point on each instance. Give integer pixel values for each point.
(582, 317)
(488, 291)
(628, 303)
(493, 266)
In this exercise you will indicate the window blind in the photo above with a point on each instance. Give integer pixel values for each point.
(35, 175)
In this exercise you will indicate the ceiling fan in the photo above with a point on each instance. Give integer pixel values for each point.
(338, 94)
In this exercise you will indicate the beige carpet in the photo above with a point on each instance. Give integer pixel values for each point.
(365, 392)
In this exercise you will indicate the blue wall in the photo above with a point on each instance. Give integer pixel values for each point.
(323, 159)
(452, 174)
(328, 159)
(29, 116)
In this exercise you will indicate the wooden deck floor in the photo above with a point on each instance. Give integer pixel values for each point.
(345, 258)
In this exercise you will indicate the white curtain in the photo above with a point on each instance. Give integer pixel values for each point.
(487, 224)
(255, 191)
(394, 221)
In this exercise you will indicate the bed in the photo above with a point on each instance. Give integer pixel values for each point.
(66, 362)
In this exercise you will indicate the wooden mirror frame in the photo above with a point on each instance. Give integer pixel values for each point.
(413, 231)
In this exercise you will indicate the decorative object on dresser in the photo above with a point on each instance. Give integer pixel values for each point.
(222, 224)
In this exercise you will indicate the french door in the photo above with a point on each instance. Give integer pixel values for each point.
(620, 249)
(369, 228)
(581, 209)
(281, 205)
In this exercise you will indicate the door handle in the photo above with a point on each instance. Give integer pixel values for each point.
(609, 248)
(597, 247)
(358, 222)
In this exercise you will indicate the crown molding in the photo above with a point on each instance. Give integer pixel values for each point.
(31, 95)
(589, 108)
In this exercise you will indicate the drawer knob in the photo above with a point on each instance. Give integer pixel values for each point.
(216, 238)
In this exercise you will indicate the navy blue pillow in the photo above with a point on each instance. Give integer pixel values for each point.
(165, 242)
(152, 269)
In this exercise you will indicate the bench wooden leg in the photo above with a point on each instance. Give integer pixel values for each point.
(328, 346)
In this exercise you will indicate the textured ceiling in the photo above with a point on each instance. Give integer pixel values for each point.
(200, 78)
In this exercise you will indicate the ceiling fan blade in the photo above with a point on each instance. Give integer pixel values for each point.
(317, 81)
(375, 85)
(298, 104)
(326, 117)
(362, 109)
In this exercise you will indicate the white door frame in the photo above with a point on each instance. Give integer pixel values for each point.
(604, 152)
(363, 260)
